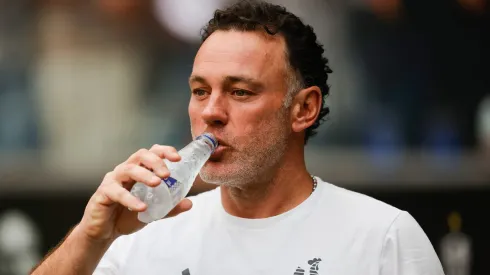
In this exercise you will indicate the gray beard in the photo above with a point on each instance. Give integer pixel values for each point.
(259, 160)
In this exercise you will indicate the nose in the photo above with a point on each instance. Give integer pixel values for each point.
(214, 113)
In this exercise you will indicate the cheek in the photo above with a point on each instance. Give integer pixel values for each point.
(251, 123)
(191, 108)
(194, 115)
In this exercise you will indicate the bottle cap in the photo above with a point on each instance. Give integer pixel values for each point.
(210, 137)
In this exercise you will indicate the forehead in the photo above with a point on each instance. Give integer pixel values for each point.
(255, 54)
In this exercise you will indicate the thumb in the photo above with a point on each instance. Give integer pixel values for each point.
(183, 206)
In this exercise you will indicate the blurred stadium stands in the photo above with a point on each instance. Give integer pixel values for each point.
(85, 83)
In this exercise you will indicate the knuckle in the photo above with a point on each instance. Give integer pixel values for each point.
(108, 191)
(137, 155)
(119, 168)
(123, 170)
(169, 148)
(108, 176)
(152, 157)
(155, 147)
(102, 189)
(119, 193)
(129, 171)
(100, 196)
(128, 167)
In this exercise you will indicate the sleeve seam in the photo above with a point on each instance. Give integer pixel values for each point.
(386, 234)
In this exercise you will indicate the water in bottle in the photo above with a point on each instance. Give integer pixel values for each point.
(163, 198)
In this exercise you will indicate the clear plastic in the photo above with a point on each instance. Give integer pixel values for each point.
(163, 198)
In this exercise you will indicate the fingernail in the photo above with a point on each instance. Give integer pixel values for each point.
(155, 179)
(162, 171)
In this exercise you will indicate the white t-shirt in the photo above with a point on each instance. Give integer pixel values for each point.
(333, 232)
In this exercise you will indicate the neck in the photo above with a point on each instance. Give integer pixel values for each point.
(287, 187)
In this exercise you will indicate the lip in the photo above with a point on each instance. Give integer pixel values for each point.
(218, 152)
(221, 142)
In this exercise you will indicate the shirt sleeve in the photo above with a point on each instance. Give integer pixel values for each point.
(407, 250)
(115, 256)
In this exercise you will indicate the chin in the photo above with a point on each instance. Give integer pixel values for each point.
(218, 173)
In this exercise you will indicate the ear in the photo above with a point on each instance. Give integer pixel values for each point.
(306, 108)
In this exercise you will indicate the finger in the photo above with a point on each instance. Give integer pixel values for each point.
(118, 194)
(136, 157)
(155, 163)
(183, 206)
(167, 152)
(136, 173)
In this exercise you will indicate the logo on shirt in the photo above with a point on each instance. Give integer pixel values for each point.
(313, 267)
(299, 271)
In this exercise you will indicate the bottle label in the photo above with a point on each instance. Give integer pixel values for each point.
(170, 181)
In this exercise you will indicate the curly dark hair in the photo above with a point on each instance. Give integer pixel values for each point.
(304, 52)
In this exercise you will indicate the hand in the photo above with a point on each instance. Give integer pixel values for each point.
(107, 216)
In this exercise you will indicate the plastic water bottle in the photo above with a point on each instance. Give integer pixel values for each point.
(164, 197)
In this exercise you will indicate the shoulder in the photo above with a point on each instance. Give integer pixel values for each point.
(369, 212)
(407, 249)
(393, 233)
(358, 207)
(405, 229)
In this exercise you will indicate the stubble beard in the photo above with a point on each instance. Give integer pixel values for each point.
(257, 160)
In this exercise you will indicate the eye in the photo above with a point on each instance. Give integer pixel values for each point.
(241, 93)
(199, 92)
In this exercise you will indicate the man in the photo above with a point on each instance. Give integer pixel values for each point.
(258, 84)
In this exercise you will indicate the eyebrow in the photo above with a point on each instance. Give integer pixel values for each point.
(196, 78)
(231, 79)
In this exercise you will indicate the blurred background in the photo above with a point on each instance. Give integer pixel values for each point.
(83, 84)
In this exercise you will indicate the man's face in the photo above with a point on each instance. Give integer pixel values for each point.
(238, 86)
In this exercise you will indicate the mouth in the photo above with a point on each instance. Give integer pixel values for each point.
(221, 142)
(218, 152)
